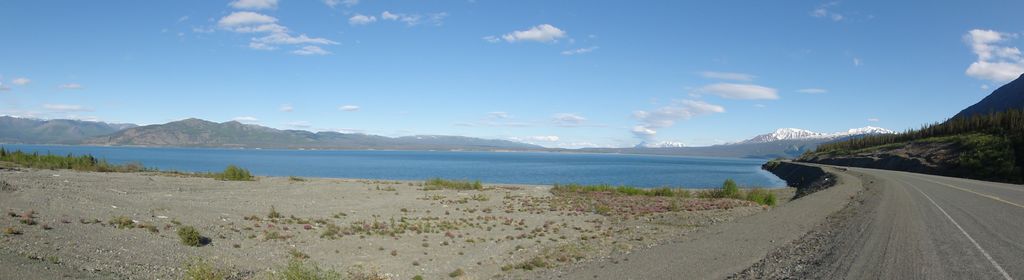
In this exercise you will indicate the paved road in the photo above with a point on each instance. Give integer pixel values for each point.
(932, 227)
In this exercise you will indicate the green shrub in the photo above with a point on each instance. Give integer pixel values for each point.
(761, 196)
(624, 190)
(273, 213)
(730, 189)
(300, 270)
(199, 269)
(296, 179)
(53, 162)
(438, 183)
(122, 222)
(456, 273)
(190, 236)
(234, 173)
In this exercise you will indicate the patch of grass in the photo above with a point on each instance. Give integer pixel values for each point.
(200, 269)
(480, 197)
(438, 183)
(300, 270)
(190, 236)
(296, 254)
(296, 179)
(761, 196)
(11, 231)
(233, 173)
(624, 190)
(273, 213)
(457, 273)
(122, 222)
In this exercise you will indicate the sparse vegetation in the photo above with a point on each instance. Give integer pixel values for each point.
(457, 273)
(53, 162)
(438, 183)
(625, 190)
(273, 213)
(761, 196)
(11, 231)
(122, 222)
(233, 173)
(200, 269)
(301, 270)
(190, 236)
(296, 179)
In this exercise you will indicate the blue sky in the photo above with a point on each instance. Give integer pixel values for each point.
(555, 73)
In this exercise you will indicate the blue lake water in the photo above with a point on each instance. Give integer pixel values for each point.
(489, 167)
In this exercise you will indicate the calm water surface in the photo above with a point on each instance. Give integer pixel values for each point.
(490, 167)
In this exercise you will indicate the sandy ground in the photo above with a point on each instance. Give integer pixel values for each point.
(395, 228)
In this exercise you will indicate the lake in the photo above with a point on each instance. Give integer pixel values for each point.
(489, 167)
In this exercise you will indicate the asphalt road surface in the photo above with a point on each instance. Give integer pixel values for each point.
(933, 227)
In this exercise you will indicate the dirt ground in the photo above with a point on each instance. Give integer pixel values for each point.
(63, 223)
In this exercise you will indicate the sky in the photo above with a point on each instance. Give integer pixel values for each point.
(555, 73)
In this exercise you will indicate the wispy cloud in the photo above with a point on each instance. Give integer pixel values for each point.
(286, 108)
(996, 62)
(414, 19)
(857, 61)
(491, 39)
(246, 119)
(347, 3)
(360, 19)
(66, 108)
(667, 116)
(349, 108)
(727, 76)
(873, 119)
(254, 4)
(812, 90)
(740, 91)
(311, 50)
(21, 81)
(568, 120)
(540, 33)
(579, 51)
(71, 86)
(825, 11)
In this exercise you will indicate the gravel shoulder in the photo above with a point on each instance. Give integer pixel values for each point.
(393, 228)
(721, 250)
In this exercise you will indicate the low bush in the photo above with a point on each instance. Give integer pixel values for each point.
(438, 183)
(300, 270)
(190, 236)
(761, 196)
(122, 222)
(234, 173)
(199, 269)
(81, 163)
(625, 190)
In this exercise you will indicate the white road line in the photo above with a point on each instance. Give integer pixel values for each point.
(983, 252)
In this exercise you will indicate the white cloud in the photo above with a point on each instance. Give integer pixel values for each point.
(71, 86)
(349, 108)
(491, 39)
(667, 116)
(347, 3)
(824, 11)
(414, 19)
(21, 81)
(995, 62)
(498, 115)
(65, 108)
(251, 22)
(254, 4)
(540, 33)
(246, 119)
(740, 91)
(548, 138)
(311, 50)
(182, 18)
(812, 90)
(857, 61)
(299, 124)
(286, 108)
(360, 19)
(727, 76)
(568, 119)
(873, 119)
(579, 51)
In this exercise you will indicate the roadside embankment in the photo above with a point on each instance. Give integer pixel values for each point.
(806, 179)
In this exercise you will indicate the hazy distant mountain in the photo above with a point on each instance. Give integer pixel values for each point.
(33, 131)
(202, 133)
(802, 134)
(1008, 96)
(662, 144)
(773, 149)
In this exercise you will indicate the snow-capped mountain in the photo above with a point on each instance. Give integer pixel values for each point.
(803, 134)
(662, 144)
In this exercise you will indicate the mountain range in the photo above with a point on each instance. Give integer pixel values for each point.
(786, 142)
